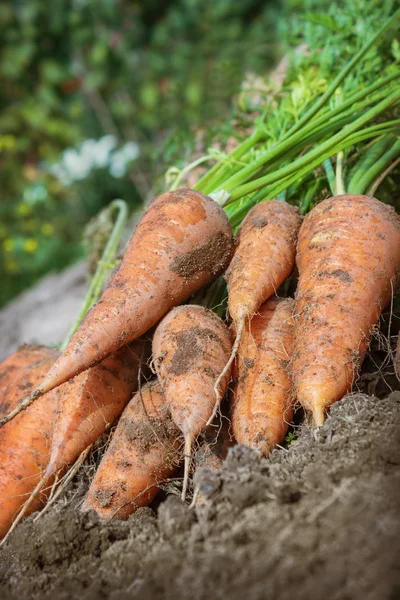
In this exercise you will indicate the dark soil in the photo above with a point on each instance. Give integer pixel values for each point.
(318, 520)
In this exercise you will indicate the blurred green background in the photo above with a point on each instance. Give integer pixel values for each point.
(97, 98)
(100, 97)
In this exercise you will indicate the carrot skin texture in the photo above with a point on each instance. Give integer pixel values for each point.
(264, 257)
(349, 260)
(25, 442)
(183, 242)
(90, 403)
(144, 451)
(11, 366)
(262, 401)
(191, 346)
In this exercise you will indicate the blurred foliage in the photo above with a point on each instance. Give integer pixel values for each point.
(147, 73)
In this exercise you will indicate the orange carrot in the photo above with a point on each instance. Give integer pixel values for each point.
(264, 258)
(191, 346)
(87, 406)
(348, 259)
(183, 242)
(144, 451)
(263, 400)
(24, 443)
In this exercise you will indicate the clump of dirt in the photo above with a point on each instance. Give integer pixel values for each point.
(318, 519)
(213, 256)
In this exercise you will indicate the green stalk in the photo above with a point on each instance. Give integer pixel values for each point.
(376, 169)
(105, 264)
(248, 188)
(330, 174)
(369, 159)
(339, 181)
(282, 148)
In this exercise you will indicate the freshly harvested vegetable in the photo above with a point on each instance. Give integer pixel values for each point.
(145, 450)
(191, 346)
(183, 242)
(87, 405)
(262, 402)
(349, 261)
(264, 258)
(24, 443)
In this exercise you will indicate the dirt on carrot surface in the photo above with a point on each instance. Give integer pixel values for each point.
(318, 519)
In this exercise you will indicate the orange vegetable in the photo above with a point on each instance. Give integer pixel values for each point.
(191, 346)
(183, 242)
(264, 258)
(144, 451)
(24, 443)
(262, 406)
(349, 260)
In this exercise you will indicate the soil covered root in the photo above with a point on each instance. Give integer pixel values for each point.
(319, 520)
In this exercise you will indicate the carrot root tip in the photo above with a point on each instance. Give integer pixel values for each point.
(318, 414)
(188, 451)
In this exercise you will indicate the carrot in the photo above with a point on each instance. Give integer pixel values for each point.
(183, 241)
(191, 346)
(262, 404)
(264, 258)
(348, 259)
(144, 451)
(25, 443)
(87, 405)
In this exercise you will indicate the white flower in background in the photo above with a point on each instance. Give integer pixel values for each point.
(103, 149)
(122, 157)
(76, 165)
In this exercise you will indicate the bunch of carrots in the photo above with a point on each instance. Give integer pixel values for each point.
(266, 355)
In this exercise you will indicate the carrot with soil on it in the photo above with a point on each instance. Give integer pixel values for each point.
(145, 450)
(191, 347)
(264, 258)
(349, 261)
(86, 407)
(262, 400)
(24, 443)
(183, 242)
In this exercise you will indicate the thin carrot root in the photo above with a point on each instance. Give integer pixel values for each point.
(186, 473)
(34, 495)
(318, 414)
(226, 371)
(63, 484)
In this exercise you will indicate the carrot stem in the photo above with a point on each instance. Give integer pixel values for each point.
(104, 265)
(339, 181)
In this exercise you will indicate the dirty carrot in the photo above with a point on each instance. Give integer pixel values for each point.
(263, 259)
(86, 407)
(349, 260)
(24, 443)
(144, 451)
(262, 401)
(191, 346)
(183, 241)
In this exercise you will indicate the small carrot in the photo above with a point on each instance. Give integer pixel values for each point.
(349, 260)
(264, 258)
(144, 451)
(191, 346)
(183, 242)
(262, 404)
(24, 443)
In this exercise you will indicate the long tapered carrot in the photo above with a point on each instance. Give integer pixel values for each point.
(24, 443)
(191, 346)
(262, 402)
(183, 241)
(145, 450)
(263, 259)
(349, 261)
